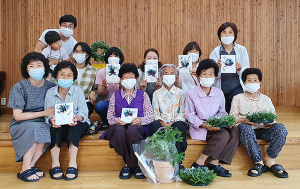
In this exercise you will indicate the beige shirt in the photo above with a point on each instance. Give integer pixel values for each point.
(243, 104)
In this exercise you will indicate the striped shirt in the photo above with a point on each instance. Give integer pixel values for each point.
(75, 95)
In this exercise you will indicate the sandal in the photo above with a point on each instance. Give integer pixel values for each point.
(276, 168)
(125, 173)
(195, 165)
(35, 170)
(137, 172)
(54, 171)
(219, 170)
(71, 170)
(260, 168)
(25, 174)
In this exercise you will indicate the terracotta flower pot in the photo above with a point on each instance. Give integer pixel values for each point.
(164, 171)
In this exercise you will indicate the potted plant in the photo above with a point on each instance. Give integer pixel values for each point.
(222, 121)
(261, 117)
(200, 176)
(162, 146)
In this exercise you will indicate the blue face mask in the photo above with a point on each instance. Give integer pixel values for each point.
(37, 74)
(65, 83)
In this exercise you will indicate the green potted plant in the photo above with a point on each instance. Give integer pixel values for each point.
(222, 121)
(261, 117)
(200, 176)
(162, 147)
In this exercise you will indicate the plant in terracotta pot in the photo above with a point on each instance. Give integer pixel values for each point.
(165, 155)
(200, 176)
(222, 121)
(261, 117)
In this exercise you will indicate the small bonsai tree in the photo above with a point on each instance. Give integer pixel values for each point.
(261, 117)
(197, 176)
(222, 121)
(162, 145)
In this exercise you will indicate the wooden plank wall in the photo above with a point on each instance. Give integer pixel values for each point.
(269, 29)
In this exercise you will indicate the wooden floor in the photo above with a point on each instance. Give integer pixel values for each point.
(99, 165)
(109, 179)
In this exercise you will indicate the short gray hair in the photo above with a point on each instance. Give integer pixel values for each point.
(167, 65)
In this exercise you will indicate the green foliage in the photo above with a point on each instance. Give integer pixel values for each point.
(197, 175)
(261, 116)
(227, 120)
(99, 45)
(162, 145)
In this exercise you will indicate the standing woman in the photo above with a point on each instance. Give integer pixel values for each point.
(86, 74)
(151, 56)
(30, 133)
(230, 83)
(65, 73)
(105, 90)
(187, 81)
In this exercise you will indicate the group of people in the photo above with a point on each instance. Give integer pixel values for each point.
(60, 72)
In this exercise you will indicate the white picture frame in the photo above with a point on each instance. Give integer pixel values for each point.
(228, 64)
(151, 73)
(128, 114)
(64, 113)
(185, 63)
(112, 72)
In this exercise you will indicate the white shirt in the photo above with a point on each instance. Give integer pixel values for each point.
(67, 45)
(186, 80)
(241, 56)
(80, 73)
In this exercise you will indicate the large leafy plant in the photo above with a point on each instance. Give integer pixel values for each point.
(197, 176)
(222, 121)
(261, 116)
(162, 145)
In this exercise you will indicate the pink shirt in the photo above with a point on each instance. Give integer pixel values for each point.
(111, 88)
(199, 107)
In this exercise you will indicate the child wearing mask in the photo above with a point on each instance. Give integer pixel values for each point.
(54, 52)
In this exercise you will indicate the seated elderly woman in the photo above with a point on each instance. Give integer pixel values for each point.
(121, 133)
(205, 101)
(168, 105)
(253, 101)
(65, 92)
(28, 129)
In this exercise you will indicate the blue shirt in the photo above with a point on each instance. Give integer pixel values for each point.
(75, 95)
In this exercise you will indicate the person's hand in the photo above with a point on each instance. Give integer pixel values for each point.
(194, 72)
(246, 121)
(104, 83)
(230, 127)
(120, 122)
(79, 117)
(163, 124)
(209, 127)
(268, 124)
(92, 97)
(74, 121)
(49, 111)
(136, 121)
(52, 120)
(238, 66)
(177, 76)
(53, 61)
(219, 63)
(143, 84)
(158, 84)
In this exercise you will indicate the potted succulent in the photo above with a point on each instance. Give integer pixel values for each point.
(261, 117)
(222, 121)
(162, 146)
(200, 176)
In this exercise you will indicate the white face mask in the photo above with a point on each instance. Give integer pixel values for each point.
(207, 82)
(113, 60)
(67, 32)
(151, 62)
(195, 57)
(129, 83)
(227, 40)
(169, 80)
(252, 87)
(80, 58)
